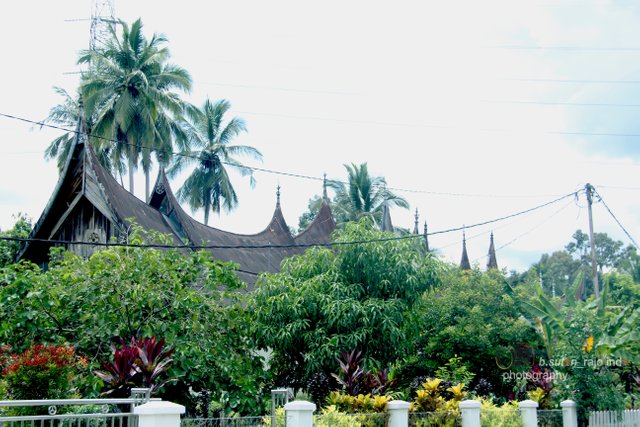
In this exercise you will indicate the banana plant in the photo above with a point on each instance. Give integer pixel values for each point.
(617, 337)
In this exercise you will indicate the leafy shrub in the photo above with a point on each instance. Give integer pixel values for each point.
(330, 416)
(319, 386)
(362, 403)
(355, 381)
(42, 372)
(506, 415)
(137, 364)
(455, 371)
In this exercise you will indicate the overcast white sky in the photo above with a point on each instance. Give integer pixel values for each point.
(512, 103)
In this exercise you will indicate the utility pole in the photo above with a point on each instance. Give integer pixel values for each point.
(588, 188)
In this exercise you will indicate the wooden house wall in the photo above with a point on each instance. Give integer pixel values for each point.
(87, 224)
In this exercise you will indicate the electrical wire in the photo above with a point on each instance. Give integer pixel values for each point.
(578, 81)
(518, 237)
(567, 48)
(288, 246)
(562, 103)
(616, 220)
(271, 171)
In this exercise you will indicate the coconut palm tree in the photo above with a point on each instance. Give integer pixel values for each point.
(362, 196)
(130, 89)
(65, 115)
(209, 185)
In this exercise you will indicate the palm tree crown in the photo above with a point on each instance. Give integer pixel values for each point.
(66, 115)
(209, 185)
(362, 196)
(130, 89)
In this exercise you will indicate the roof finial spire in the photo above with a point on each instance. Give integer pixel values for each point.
(278, 195)
(324, 188)
(416, 217)
(426, 238)
(464, 262)
(493, 261)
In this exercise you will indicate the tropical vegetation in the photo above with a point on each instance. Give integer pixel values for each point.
(361, 196)
(212, 152)
(132, 93)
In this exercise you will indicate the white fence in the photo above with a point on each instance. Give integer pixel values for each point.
(615, 419)
(300, 414)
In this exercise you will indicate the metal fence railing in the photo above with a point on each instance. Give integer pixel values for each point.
(434, 419)
(350, 420)
(501, 418)
(70, 412)
(265, 421)
(550, 418)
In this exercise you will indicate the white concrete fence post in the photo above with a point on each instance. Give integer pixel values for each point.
(398, 413)
(470, 410)
(569, 413)
(299, 413)
(529, 412)
(159, 414)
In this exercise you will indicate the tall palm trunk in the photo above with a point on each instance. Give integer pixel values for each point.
(147, 185)
(131, 167)
(207, 206)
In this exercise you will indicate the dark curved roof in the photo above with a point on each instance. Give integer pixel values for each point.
(84, 182)
(251, 251)
(87, 197)
(320, 229)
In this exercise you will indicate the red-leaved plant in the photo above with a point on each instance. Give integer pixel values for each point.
(138, 363)
(42, 372)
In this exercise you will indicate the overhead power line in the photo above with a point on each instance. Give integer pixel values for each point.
(276, 172)
(562, 103)
(580, 81)
(289, 246)
(616, 220)
(568, 48)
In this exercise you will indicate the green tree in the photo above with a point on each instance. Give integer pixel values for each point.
(187, 298)
(66, 114)
(9, 249)
(328, 301)
(629, 263)
(361, 196)
(130, 89)
(209, 185)
(608, 251)
(587, 341)
(556, 271)
(312, 210)
(471, 315)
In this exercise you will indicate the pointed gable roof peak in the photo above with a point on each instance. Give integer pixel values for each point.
(492, 261)
(464, 261)
(386, 224)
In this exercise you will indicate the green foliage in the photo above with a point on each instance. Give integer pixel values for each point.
(455, 371)
(505, 415)
(328, 301)
(130, 93)
(440, 402)
(42, 372)
(361, 403)
(210, 135)
(471, 316)
(186, 297)
(587, 343)
(362, 196)
(135, 364)
(10, 249)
